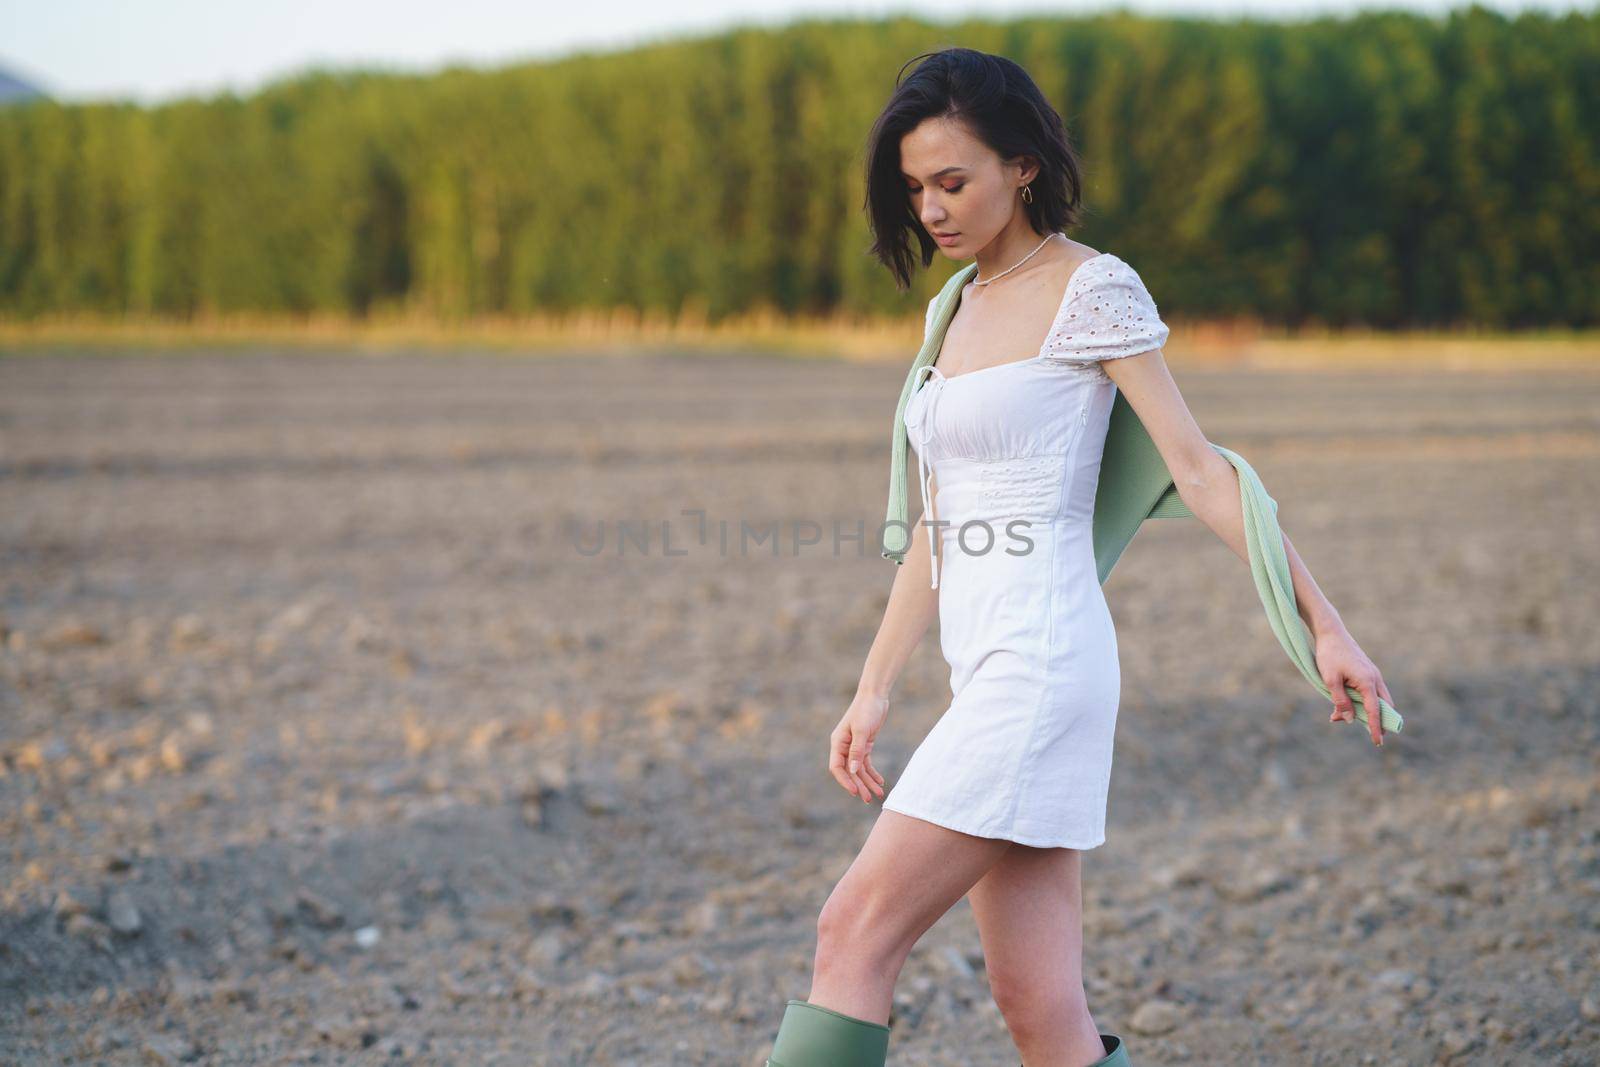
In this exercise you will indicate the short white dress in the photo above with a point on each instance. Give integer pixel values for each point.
(1024, 750)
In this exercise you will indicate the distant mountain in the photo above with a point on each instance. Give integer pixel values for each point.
(13, 89)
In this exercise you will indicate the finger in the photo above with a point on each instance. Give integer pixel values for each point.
(1343, 710)
(836, 760)
(1369, 696)
(876, 781)
(869, 777)
(858, 754)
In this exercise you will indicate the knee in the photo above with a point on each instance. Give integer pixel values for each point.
(853, 929)
(1034, 1004)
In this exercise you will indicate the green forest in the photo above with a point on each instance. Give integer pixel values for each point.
(1383, 169)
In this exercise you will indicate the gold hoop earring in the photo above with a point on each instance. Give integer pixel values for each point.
(1027, 194)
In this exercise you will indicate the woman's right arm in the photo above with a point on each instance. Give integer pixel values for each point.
(913, 605)
(912, 608)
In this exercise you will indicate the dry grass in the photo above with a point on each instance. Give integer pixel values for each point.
(869, 338)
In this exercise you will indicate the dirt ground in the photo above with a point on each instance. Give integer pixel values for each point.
(325, 738)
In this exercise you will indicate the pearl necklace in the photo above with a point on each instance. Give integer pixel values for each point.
(1014, 266)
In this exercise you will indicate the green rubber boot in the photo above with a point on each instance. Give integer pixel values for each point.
(814, 1036)
(1116, 1053)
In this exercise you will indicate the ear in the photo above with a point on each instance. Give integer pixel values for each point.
(1028, 167)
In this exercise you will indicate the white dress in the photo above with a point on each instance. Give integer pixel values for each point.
(1024, 750)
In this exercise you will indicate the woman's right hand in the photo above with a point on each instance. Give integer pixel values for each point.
(850, 746)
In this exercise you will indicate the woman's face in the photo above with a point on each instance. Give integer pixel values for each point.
(962, 192)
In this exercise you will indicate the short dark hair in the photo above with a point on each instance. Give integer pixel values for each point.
(1004, 108)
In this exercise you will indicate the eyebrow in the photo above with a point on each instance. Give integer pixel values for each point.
(939, 174)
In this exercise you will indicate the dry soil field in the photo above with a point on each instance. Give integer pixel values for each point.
(322, 740)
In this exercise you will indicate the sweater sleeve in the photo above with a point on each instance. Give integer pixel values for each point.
(927, 326)
(1110, 315)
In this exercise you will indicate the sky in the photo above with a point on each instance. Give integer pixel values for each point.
(151, 51)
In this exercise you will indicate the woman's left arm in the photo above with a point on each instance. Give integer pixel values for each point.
(1209, 487)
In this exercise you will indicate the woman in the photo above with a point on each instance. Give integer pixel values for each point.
(1010, 785)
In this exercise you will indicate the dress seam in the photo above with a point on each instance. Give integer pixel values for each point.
(1019, 786)
(1063, 501)
(1003, 459)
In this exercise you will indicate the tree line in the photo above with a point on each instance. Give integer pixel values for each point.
(1383, 169)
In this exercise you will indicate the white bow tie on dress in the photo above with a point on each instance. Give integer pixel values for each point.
(922, 421)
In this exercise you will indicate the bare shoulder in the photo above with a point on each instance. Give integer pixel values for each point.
(1050, 277)
(1069, 256)
(1076, 251)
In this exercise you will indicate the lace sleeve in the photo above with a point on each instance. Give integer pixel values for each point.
(1110, 315)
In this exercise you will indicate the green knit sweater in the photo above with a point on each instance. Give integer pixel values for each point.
(1135, 485)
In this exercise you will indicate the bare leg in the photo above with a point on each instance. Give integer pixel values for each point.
(1029, 908)
(908, 874)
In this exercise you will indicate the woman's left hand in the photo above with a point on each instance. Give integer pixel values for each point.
(1341, 662)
